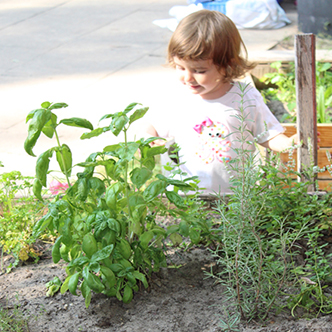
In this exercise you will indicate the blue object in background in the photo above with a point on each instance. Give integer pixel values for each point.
(196, 2)
(218, 5)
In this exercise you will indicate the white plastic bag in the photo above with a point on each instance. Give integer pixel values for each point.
(256, 14)
(178, 12)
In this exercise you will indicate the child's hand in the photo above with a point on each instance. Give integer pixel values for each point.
(295, 139)
(158, 142)
(161, 142)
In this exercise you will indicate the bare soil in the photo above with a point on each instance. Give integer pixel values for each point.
(288, 43)
(179, 299)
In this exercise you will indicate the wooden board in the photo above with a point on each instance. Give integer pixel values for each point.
(305, 79)
(322, 161)
(325, 131)
(325, 144)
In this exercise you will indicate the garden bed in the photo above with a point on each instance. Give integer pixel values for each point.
(179, 298)
(325, 130)
(115, 242)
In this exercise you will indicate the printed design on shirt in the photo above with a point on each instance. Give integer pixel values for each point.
(213, 143)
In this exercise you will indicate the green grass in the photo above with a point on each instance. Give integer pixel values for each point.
(12, 319)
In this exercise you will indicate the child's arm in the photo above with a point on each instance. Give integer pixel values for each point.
(281, 142)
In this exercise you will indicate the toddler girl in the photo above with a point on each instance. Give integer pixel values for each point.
(205, 51)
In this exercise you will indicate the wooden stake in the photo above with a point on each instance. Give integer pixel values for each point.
(305, 74)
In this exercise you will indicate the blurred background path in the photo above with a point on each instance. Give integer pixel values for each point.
(97, 56)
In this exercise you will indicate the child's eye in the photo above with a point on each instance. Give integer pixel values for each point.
(179, 67)
(200, 71)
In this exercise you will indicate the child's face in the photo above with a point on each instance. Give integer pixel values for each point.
(202, 78)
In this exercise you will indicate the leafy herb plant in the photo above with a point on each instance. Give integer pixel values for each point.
(261, 226)
(18, 213)
(106, 227)
(284, 80)
(12, 319)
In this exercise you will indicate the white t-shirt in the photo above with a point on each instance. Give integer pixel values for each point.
(202, 127)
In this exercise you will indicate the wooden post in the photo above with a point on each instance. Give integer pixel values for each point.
(305, 74)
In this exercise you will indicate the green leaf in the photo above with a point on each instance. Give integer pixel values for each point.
(89, 245)
(109, 275)
(86, 292)
(42, 165)
(157, 230)
(41, 225)
(72, 283)
(116, 268)
(84, 288)
(149, 163)
(154, 189)
(48, 129)
(194, 235)
(46, 104)
(139, 113)
(176, 199)
(156, 150)
(130, 107)
(128, 152)
(64, 286)
(103, 253)
(127, 294)
(111, 148)
(77, 122)
(97, 186)
(141, 277)
(64, 252)
(53, 286)
(184, 228)
(96, 132)
(37, 188)
(118, 124)
(94, 266)
(31, 114)
(66, 232)
(57, 106)
(135, 200)
(176, 238)
(65, 159)
(178, 183)
(139, 176)
(79, 261)
(37, 122)
(172, 229)
(151, 139)
(106, 116)
(124, 248)
(94, 282)
(56, 256)
(82, 189)
(111, 195)
(145, 239)
(114, 225)
(95, 163)
(326, 66)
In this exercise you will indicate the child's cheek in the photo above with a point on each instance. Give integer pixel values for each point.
(180, 76)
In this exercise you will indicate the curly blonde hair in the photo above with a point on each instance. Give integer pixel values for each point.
(211, 35)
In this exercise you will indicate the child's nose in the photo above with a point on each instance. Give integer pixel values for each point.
(188, 77)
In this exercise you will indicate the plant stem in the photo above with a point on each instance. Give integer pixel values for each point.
(65, 172)
(131, 234)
